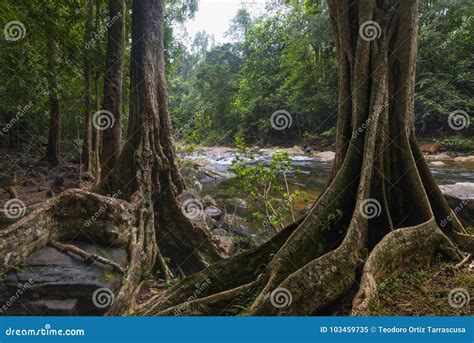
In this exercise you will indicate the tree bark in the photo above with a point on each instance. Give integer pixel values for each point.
(53, 148)
(147, 163)
(111, 135)
(96, 133)
(87, 146)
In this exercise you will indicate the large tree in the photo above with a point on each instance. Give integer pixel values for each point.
(53, 147)
(87, 156)
(147, 219)
(112, 106)
(381, 213)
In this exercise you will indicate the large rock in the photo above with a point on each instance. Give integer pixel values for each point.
(460, 197)
(438, 157)
(323, 156)
(55, 283)
(437, 164)
(213, 212)
(464, 159)
(226, 244)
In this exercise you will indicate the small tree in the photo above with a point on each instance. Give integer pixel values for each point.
(266, 186)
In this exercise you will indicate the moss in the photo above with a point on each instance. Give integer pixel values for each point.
(108, 276)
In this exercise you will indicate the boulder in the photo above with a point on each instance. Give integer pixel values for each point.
(226, 244)
(460, 197)
(323, 156)
(464, 159)
(56, 283)
(213, 212)
(295, 150)
(438, 157)
(437, 164)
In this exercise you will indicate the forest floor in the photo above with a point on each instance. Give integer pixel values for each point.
(422, 293)
(425, 292)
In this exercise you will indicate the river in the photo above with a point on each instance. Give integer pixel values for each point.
(310, 176)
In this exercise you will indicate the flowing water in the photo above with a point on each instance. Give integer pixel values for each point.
(310, 176)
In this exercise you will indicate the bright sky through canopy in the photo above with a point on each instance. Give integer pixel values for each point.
(214, 16)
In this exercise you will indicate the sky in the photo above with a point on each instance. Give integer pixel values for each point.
(214, 16)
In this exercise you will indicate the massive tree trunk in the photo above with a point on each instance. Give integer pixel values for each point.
(96, 132)
(147, 163)
(387, 205)
(53, 148)
(91, 146)
(148, 220)
(87, 146)
(112, 107)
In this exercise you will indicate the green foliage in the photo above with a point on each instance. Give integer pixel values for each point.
(286, 60)
(458, 143)
(445, 64)
(331, 220)
(265, 186)
(329, 133)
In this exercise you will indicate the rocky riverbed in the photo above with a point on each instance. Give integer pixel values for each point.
(208, 176)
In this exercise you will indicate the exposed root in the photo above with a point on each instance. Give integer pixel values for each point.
(85, 255)
(221, 276)
(65, 217)
(213, 305)
(400, 251)
(464, 241)
(463, 262)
